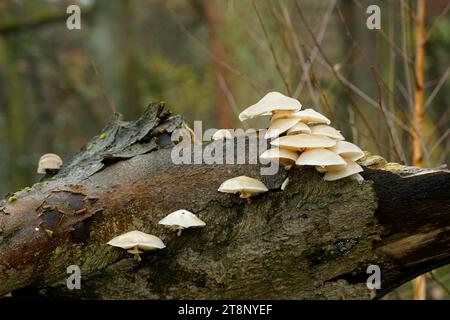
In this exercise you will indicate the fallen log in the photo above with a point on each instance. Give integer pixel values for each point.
(314, 240)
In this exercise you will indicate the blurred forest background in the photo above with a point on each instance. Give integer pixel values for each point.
(210, 59)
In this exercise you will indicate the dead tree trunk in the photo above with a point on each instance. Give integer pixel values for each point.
(314, 240)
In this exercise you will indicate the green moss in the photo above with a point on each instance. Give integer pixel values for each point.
(58, 251)
(103, 136)
(12, 198)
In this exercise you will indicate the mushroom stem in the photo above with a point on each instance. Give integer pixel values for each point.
(136, 253)
(246, 195)
(179, 232)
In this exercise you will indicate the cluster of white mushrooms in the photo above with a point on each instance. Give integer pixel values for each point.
(135, 242)
(302, 138)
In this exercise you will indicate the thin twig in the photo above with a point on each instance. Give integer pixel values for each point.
(325, 57)
(368, 61)
(436, 20)
(399, 51)
(272, 50)
(442, 285)
(231, 69)
(229, 96)
(437, 88)
(395, 142)
(439, 141)
(110, 102)
(315, 51)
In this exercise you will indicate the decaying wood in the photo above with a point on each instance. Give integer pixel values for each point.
(314, 240)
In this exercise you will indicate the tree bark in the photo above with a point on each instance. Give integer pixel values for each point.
(314, 240)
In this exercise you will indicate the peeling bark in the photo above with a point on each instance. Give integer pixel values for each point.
(314, 240)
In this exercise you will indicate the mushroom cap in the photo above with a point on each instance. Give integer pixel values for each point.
(280, 125)
(49, 161)
(299, 127)
(327, 131)
(280, 155)
(301, 141)
(138, 239)
(319, 157)
(222, 134)
(243, 184)
(348, 150)
(311, 116)
(339, 172)
(269, 103)
(182, 218)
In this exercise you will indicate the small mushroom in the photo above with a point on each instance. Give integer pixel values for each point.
(135, 240)
(320, 157)
(49, 163)
(338, 172)
(278, 126)
(243, 185)
(299, 142)
(327, 131)
(273, 101)
(222, 134)
(283, 156)
(309, 116)
(299, 127)
(347, 150)
(181, 219)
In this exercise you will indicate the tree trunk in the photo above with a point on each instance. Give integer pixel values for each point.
(314, 240)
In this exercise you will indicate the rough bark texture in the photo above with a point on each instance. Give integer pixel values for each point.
(314, 240)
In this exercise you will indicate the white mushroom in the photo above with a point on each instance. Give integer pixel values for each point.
(309, 116)
(283, 156)
(222, 134)
(299, 127)
(49, 162)
(272, 101)
(327, 131)
(348, 150)
(243, 185)
(301, 141)
(181, 219)
(319, 157)
(135, 240)
(339, 172)
(280, 125)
